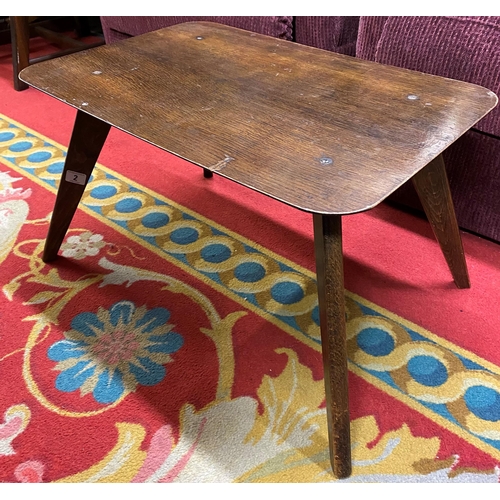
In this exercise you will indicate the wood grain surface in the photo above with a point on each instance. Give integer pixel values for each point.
(323, 132)
(331, 303)
(431, 184)
(89, 135)
(19, 30)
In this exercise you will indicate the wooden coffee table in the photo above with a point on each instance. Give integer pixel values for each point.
(325, 133)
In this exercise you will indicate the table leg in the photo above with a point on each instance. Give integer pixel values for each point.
(331, 301)
(20, 36)
(433, 190)
(87, 140)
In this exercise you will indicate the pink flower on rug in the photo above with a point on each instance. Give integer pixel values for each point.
(29, 472)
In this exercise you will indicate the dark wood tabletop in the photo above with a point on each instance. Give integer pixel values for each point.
(320, 131)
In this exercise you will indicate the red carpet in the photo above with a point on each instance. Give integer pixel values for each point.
(175, 339)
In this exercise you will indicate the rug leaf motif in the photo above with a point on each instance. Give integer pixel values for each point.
(283, 397)
(121, 464)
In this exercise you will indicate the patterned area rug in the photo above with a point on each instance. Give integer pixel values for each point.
(163, 346)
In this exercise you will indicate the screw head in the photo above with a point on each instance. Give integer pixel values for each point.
(325, 160)
(199, 38)
(412, 97)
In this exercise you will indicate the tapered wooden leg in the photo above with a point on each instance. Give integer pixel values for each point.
(331, 301)
(87, 140)
(433, 190)
(207, 173)
(19, 30)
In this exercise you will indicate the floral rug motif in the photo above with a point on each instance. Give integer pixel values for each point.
(163, 347)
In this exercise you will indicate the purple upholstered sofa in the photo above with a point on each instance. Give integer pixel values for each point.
(336, 33)
(463, 48)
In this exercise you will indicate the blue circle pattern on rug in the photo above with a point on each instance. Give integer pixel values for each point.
(155, 220)
(103, 192)
(56, 167)
(39, 156)
(483, 402)
(287, 292)
(249, 272)
(427, 370)
(375, 341)
(21, 146)
(216, 253)
(128, 205)
(184, 235)
(6, 136)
